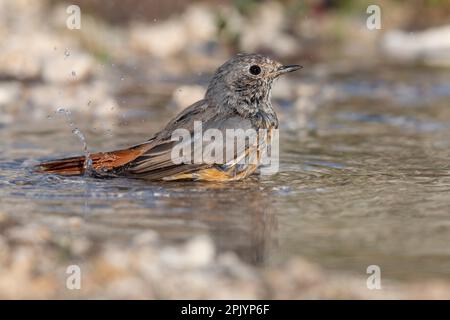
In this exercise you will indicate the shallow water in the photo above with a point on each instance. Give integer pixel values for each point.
(364, 179)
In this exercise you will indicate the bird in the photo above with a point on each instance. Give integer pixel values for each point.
(238, 97)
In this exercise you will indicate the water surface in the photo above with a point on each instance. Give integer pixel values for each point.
(364, 179)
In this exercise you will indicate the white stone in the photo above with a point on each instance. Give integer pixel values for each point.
(264, 30)
(431, 46)
(200, 24)
(161, 40)
(67, 68)
(9, 93)
(184, 96)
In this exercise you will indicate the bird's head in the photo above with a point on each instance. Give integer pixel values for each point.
(245, 79)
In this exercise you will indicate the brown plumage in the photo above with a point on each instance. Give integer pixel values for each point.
(238, 97)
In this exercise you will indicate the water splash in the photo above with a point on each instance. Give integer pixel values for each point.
(77, 132)
(81, 137)
(87, 156)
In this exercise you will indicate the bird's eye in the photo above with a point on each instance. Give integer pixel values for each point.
(255, 70)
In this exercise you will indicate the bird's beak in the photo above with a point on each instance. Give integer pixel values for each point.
(288, 68)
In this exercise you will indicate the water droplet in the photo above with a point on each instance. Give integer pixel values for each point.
(88, 162)
(122, 78)
(89, 102)
(80, 136)
(74, 74)
(67, 52)
(67, 113)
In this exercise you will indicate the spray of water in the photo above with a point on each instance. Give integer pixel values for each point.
(77, 132)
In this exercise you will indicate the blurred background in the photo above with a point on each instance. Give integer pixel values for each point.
(147, 54)
(365, 143)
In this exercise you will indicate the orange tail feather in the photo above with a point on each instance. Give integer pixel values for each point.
(103, 161)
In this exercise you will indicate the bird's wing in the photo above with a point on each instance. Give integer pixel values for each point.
(158, 161)
(154, 159)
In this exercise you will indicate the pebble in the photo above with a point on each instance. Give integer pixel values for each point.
(75, 222)
(196, 253)
(264, 30)
(145, 238)
(431, 47)
(31, 234)
(195, 26)
(70, 67)
(10, 93)
(184, 96)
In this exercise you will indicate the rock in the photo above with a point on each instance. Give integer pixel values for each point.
(264, 31)
(196, 253)
(93, 99)
(4, 250)
(184, 96)
(24, 53)
(17, 60)
(431, 47)
(10, 99)
(21, 271)
(234, 21)
(80, 246)
(10, 93)
(235, 267)
(296, 281)
(199, 251)
(160, 40)
(200, 24)
(105, 106)
(31, 51)
(145, 238)
(114, 260)
(194, 27)
(72, 66)
(75, 222)
(30, 234)
(3, 217)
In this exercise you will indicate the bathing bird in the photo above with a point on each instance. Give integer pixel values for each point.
(237, 100)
